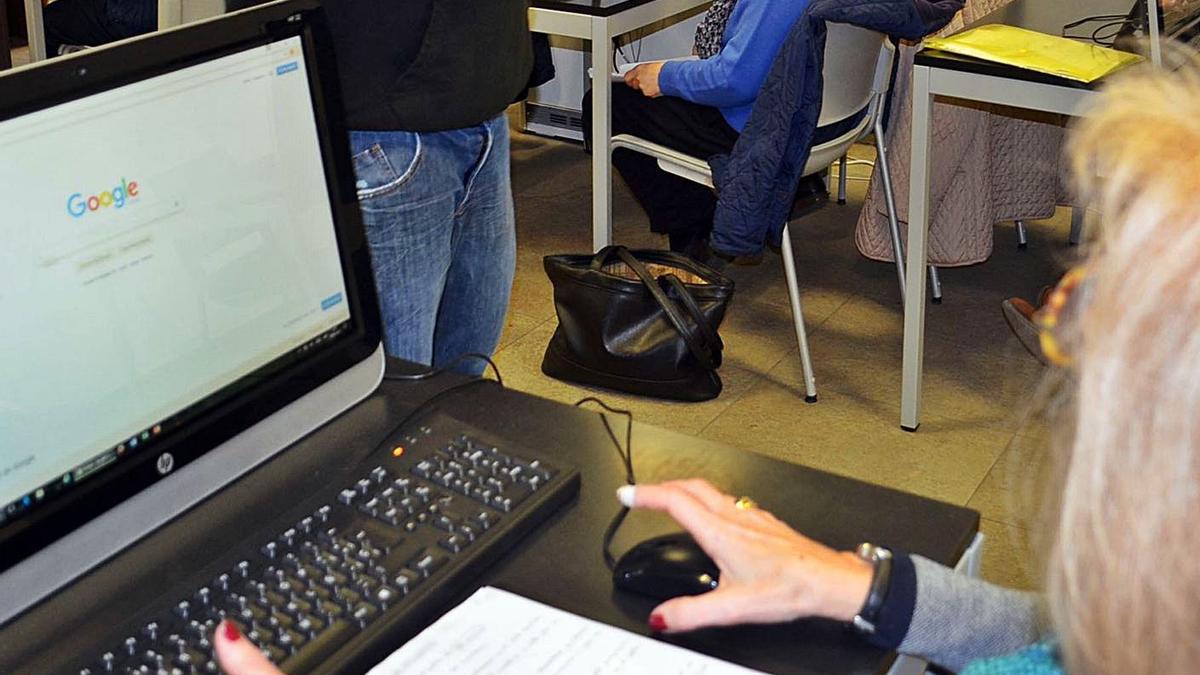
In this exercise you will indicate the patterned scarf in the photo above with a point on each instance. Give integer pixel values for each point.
(711, 30)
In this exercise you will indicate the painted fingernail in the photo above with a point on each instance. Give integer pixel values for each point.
(657, 623)
(231, 632)
(625, 495)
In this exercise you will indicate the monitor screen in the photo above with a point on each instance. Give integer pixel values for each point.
(164, 242)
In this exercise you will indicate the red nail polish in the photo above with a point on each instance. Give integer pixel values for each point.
(231, 632)
(657, 623)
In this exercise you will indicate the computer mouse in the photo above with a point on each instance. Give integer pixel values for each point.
(666, 567)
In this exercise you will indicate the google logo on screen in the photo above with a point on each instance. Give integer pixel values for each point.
(79, 206)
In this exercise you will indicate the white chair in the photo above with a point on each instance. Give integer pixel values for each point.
(857, 74)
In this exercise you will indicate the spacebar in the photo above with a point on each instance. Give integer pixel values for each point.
(320, 648)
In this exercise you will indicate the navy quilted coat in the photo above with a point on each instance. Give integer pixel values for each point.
(757, 181)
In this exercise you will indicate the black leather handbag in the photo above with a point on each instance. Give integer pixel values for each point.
(643, 322)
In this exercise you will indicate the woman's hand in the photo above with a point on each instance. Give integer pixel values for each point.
(644, 78)
(769, 572)
(238, 655)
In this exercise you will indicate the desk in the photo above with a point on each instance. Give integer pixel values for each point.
(559, 563)
(600, 21)
(937, 74)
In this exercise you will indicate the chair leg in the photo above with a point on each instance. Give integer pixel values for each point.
(842, 166)
(935, 286)
(1022, 235)
(789, 270)
(1077, 215)
(881, 163)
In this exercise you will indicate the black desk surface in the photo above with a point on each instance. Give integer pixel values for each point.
(559, 564)
(590, 7)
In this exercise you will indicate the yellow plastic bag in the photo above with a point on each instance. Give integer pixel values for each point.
(1036, 51)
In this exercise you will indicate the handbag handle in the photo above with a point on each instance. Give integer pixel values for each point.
(603, 255)
(717, 345)
(709, 355)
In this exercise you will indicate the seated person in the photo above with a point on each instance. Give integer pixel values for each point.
(1122, 579)
(75, 24)
(1121, 561)
(698, 107)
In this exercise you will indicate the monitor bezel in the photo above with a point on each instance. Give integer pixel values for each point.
(285, 380)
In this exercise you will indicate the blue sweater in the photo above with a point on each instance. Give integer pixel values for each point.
(732, 79)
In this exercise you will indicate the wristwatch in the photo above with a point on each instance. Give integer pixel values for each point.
(881, 560)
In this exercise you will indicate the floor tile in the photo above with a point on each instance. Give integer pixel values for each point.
(516, 326)
(1020, 488)
(858, 437)
(1008, 556)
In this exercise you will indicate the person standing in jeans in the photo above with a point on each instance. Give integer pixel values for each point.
(425, 84)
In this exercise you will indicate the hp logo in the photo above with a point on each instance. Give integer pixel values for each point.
(166, 462)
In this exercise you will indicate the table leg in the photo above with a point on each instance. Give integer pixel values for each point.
(602, 56)
(918, 230)
(5, 44)
(170, 13)
(36, 29)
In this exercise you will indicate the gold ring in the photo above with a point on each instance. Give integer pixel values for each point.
(745, 503)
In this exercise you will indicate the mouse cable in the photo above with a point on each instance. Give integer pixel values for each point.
(627, 460)
(626, 454)
(434, 372)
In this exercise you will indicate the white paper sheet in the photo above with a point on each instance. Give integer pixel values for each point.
(495, 632)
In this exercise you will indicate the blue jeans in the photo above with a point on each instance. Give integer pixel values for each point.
(438, 212)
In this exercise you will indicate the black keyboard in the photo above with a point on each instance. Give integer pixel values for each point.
(369, 567)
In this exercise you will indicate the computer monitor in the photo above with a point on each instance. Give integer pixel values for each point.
(182, 262)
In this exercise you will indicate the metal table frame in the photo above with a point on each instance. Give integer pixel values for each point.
(600, 31)
(929, 82)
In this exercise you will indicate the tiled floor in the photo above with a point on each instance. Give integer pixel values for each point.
(973, 447)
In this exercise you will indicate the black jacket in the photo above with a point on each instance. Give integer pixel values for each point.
(428, 65)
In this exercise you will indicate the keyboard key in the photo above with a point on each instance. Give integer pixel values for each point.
(385, 596)
(484, 519)
(289, 640)
(323, 513)
(454, 543)
(363, 486)
(347, 596)
(424, 468)
(363, 613)
(428, 561)
(406, 580)
(347, 496)
(310, 625)
(318, 650)
(330, 610)
(379, 474)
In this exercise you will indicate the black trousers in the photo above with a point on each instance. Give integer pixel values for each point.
(677, 207)
(88, 23)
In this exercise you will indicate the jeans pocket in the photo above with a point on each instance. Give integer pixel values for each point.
(385, 163)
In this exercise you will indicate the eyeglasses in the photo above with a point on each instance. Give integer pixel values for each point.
(1049, 316)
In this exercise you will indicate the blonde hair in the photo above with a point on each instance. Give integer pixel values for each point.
(1123, 575)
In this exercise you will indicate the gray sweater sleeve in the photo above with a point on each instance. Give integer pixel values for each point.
(958, 619)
